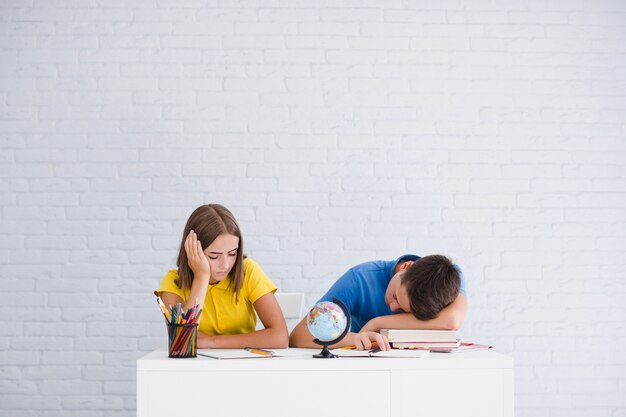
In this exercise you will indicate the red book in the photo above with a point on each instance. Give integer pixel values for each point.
(464, 347)
(426, 345)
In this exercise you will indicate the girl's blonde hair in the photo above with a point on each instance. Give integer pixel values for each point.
(209, 222)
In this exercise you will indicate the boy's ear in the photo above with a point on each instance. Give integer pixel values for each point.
(405, 265)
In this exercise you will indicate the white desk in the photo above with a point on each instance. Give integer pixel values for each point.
(464, 384)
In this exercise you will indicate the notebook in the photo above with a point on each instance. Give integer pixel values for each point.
(376, 353)
(235, 353)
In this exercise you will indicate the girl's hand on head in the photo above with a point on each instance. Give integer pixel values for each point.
(196, 259)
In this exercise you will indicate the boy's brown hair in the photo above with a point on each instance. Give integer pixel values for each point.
(432, 283)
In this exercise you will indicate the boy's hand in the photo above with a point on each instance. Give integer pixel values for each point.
(198, 262)
(363, 340)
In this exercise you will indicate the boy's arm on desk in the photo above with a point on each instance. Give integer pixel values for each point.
(302, 338)
(450, 318)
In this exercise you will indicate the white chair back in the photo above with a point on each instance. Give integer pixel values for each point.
(292, 305)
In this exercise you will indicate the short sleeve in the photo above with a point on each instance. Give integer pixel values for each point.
(257, 283)
(343, 289)
(168, 284)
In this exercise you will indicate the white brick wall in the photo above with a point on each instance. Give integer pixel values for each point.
(338, 132)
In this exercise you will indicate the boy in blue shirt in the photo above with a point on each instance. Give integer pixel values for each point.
(408, 293)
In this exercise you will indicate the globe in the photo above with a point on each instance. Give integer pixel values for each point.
(326, 321)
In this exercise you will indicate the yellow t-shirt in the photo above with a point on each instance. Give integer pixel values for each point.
(220, 314)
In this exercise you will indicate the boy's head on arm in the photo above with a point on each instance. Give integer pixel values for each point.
(424, 287)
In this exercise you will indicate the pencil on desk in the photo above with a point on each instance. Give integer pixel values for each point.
(352, 347)
(259, 351)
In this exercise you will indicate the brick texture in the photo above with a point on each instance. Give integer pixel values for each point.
(337, 132)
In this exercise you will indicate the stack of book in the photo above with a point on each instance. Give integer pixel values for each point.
(421, 339)
(444, 341)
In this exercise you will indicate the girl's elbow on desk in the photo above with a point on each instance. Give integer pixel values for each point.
(280, 339)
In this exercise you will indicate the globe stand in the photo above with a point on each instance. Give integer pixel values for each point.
(325, 353)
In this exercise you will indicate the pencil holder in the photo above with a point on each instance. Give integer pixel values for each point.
(182, 340)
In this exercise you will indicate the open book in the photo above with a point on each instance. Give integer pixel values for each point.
(376, 353)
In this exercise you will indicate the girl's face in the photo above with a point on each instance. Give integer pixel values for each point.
(222, 254)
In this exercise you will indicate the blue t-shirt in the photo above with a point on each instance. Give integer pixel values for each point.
(362, 289)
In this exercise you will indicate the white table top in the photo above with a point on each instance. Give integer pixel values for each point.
(301, 360)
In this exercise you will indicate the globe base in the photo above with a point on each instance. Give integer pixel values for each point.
(325, 354)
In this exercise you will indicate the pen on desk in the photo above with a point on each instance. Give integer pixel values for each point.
(259, 351)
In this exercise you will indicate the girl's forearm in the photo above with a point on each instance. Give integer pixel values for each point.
(265, 338)
(197, 294)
